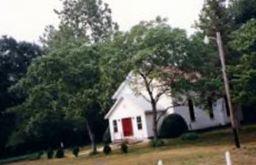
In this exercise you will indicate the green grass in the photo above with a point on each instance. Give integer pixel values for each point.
(209, 148)
(35, 156)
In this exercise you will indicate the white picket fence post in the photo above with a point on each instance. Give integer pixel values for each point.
(228, 158)
(160, 162)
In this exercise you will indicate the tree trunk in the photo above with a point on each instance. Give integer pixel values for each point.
(236, 114)
(153, 104)
(92, 139)
(154, 120)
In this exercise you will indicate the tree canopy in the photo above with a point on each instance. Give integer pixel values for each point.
(63, 85)
(242, 11)
(15, 57)
(69, 88)
(243, 40)
(81, 21)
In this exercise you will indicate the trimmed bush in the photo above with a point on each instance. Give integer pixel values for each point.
(107, 149)
(35, 156)
(75, 151)
(157, 143)
(173, 126)
(59, 153)
(39, 154)
(50, 153)
(190, 136)
(124, 147)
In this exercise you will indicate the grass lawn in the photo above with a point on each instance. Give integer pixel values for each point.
(209, 149)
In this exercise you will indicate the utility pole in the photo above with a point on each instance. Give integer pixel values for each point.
(227, 90)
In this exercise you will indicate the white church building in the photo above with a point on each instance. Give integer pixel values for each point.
(130, 118)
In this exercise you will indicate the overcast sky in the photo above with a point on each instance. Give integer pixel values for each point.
(26, 19)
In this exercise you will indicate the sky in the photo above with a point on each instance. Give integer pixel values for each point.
(26, 19)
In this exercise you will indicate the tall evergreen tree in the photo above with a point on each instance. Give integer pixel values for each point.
(214, 18)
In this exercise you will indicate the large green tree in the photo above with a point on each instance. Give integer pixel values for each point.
(63, 85)
(244, 80)
(159, 57)
(15, 57)
(67, 80)
(215, 17)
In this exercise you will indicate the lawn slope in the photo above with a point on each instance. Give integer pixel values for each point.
(209, 149)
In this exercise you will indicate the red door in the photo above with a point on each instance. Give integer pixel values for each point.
(127, 127)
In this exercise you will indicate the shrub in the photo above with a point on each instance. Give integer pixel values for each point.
(124, 147)
(157, 143)
(75, 151)
(173, 126)
(50, 153)
(39, 154)
(35, 156)
(190, 136)
(107, 149)
(59, 153)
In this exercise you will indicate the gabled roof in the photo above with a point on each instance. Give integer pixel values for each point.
(137, 100)
(113, 107)
(120, 88)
